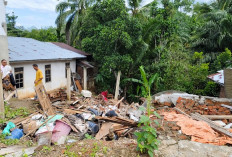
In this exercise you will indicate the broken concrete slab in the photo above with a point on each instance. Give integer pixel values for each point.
(186, 148)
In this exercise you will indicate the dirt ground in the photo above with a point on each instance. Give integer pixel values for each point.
(86, 148)
(24, 103)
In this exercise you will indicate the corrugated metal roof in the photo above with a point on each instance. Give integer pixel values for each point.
(27, 49)
(218, 77)
(68, 47)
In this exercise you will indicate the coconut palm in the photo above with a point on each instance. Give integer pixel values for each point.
(71, 13)
(214, 34)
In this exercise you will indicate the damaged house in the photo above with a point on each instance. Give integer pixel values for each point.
(224, 79)
(53, 60)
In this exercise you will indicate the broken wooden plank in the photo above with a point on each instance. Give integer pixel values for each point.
(78, 85)
(118, 120)
(66, 120)
(216, 127)
(218, 116)
(119, 102)
(10, 95)
(105, 129)
(182, 112)
(44, 99)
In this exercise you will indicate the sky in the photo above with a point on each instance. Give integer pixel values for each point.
(41, 13)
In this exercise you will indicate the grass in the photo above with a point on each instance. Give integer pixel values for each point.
(11, 113)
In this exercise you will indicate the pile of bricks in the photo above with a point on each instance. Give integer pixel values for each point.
(208, 108)
(60, 95)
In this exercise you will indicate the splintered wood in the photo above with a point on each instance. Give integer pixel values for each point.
(44, 100)
(118, 120)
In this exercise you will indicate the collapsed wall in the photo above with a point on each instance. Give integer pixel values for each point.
(190, 103)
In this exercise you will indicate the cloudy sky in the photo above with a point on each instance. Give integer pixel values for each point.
(40, 13)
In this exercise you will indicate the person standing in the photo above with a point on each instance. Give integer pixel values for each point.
(7, 76)
(39, 75)
(38, 78)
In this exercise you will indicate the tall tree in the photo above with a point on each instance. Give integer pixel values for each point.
(71, 14)
(114, 38)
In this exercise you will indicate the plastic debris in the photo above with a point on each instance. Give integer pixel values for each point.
(9, 126)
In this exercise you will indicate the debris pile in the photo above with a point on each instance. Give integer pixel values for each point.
(96, 117)
(203, 119)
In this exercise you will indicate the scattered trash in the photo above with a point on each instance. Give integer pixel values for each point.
(93, 127)
(16, 134)
(60, 132)
(111, 113)
(86, 93)
(9, 126)
(44, 138)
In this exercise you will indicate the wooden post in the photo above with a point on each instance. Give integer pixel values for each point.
(69, 83)
(117, 86)
(85, 78)
(2, 109)
(228, 82)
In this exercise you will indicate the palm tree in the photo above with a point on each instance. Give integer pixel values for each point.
(214, 34)
(134, 6)
(71, 13)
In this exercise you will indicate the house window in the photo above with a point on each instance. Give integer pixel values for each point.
(67, 65)
(19, 77)
(47, 73)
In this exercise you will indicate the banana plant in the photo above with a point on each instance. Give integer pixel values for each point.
(145, 85)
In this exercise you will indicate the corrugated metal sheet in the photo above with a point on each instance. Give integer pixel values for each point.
(27, 49)
(218, 77)
(68, 47)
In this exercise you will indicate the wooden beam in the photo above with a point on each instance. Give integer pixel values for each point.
(2, 108)
(117, 86)
(44, 99)
(85, 78)
(218, 116)
(69, 84)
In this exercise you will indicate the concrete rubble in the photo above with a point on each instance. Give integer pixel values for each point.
(104, 118)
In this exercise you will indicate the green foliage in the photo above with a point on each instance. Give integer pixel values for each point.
(11, 113)
(147, 139)
(95, 149)
(224, 60)
(87, 136)
(8, 142)
(68, 153)
(48, 34)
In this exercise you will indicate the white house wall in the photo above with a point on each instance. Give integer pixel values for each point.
(58, 79)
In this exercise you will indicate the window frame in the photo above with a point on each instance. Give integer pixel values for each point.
(48, 76)
(67, 65)
(21, 80)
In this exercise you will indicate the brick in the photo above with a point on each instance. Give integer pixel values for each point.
(167, 104)
(183, 137)
(176, 128)
(179, 100)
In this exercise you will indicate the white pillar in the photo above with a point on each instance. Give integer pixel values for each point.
(3, 32)
(117, 86)
(85, 78)
(69, 84)
(2, 109)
